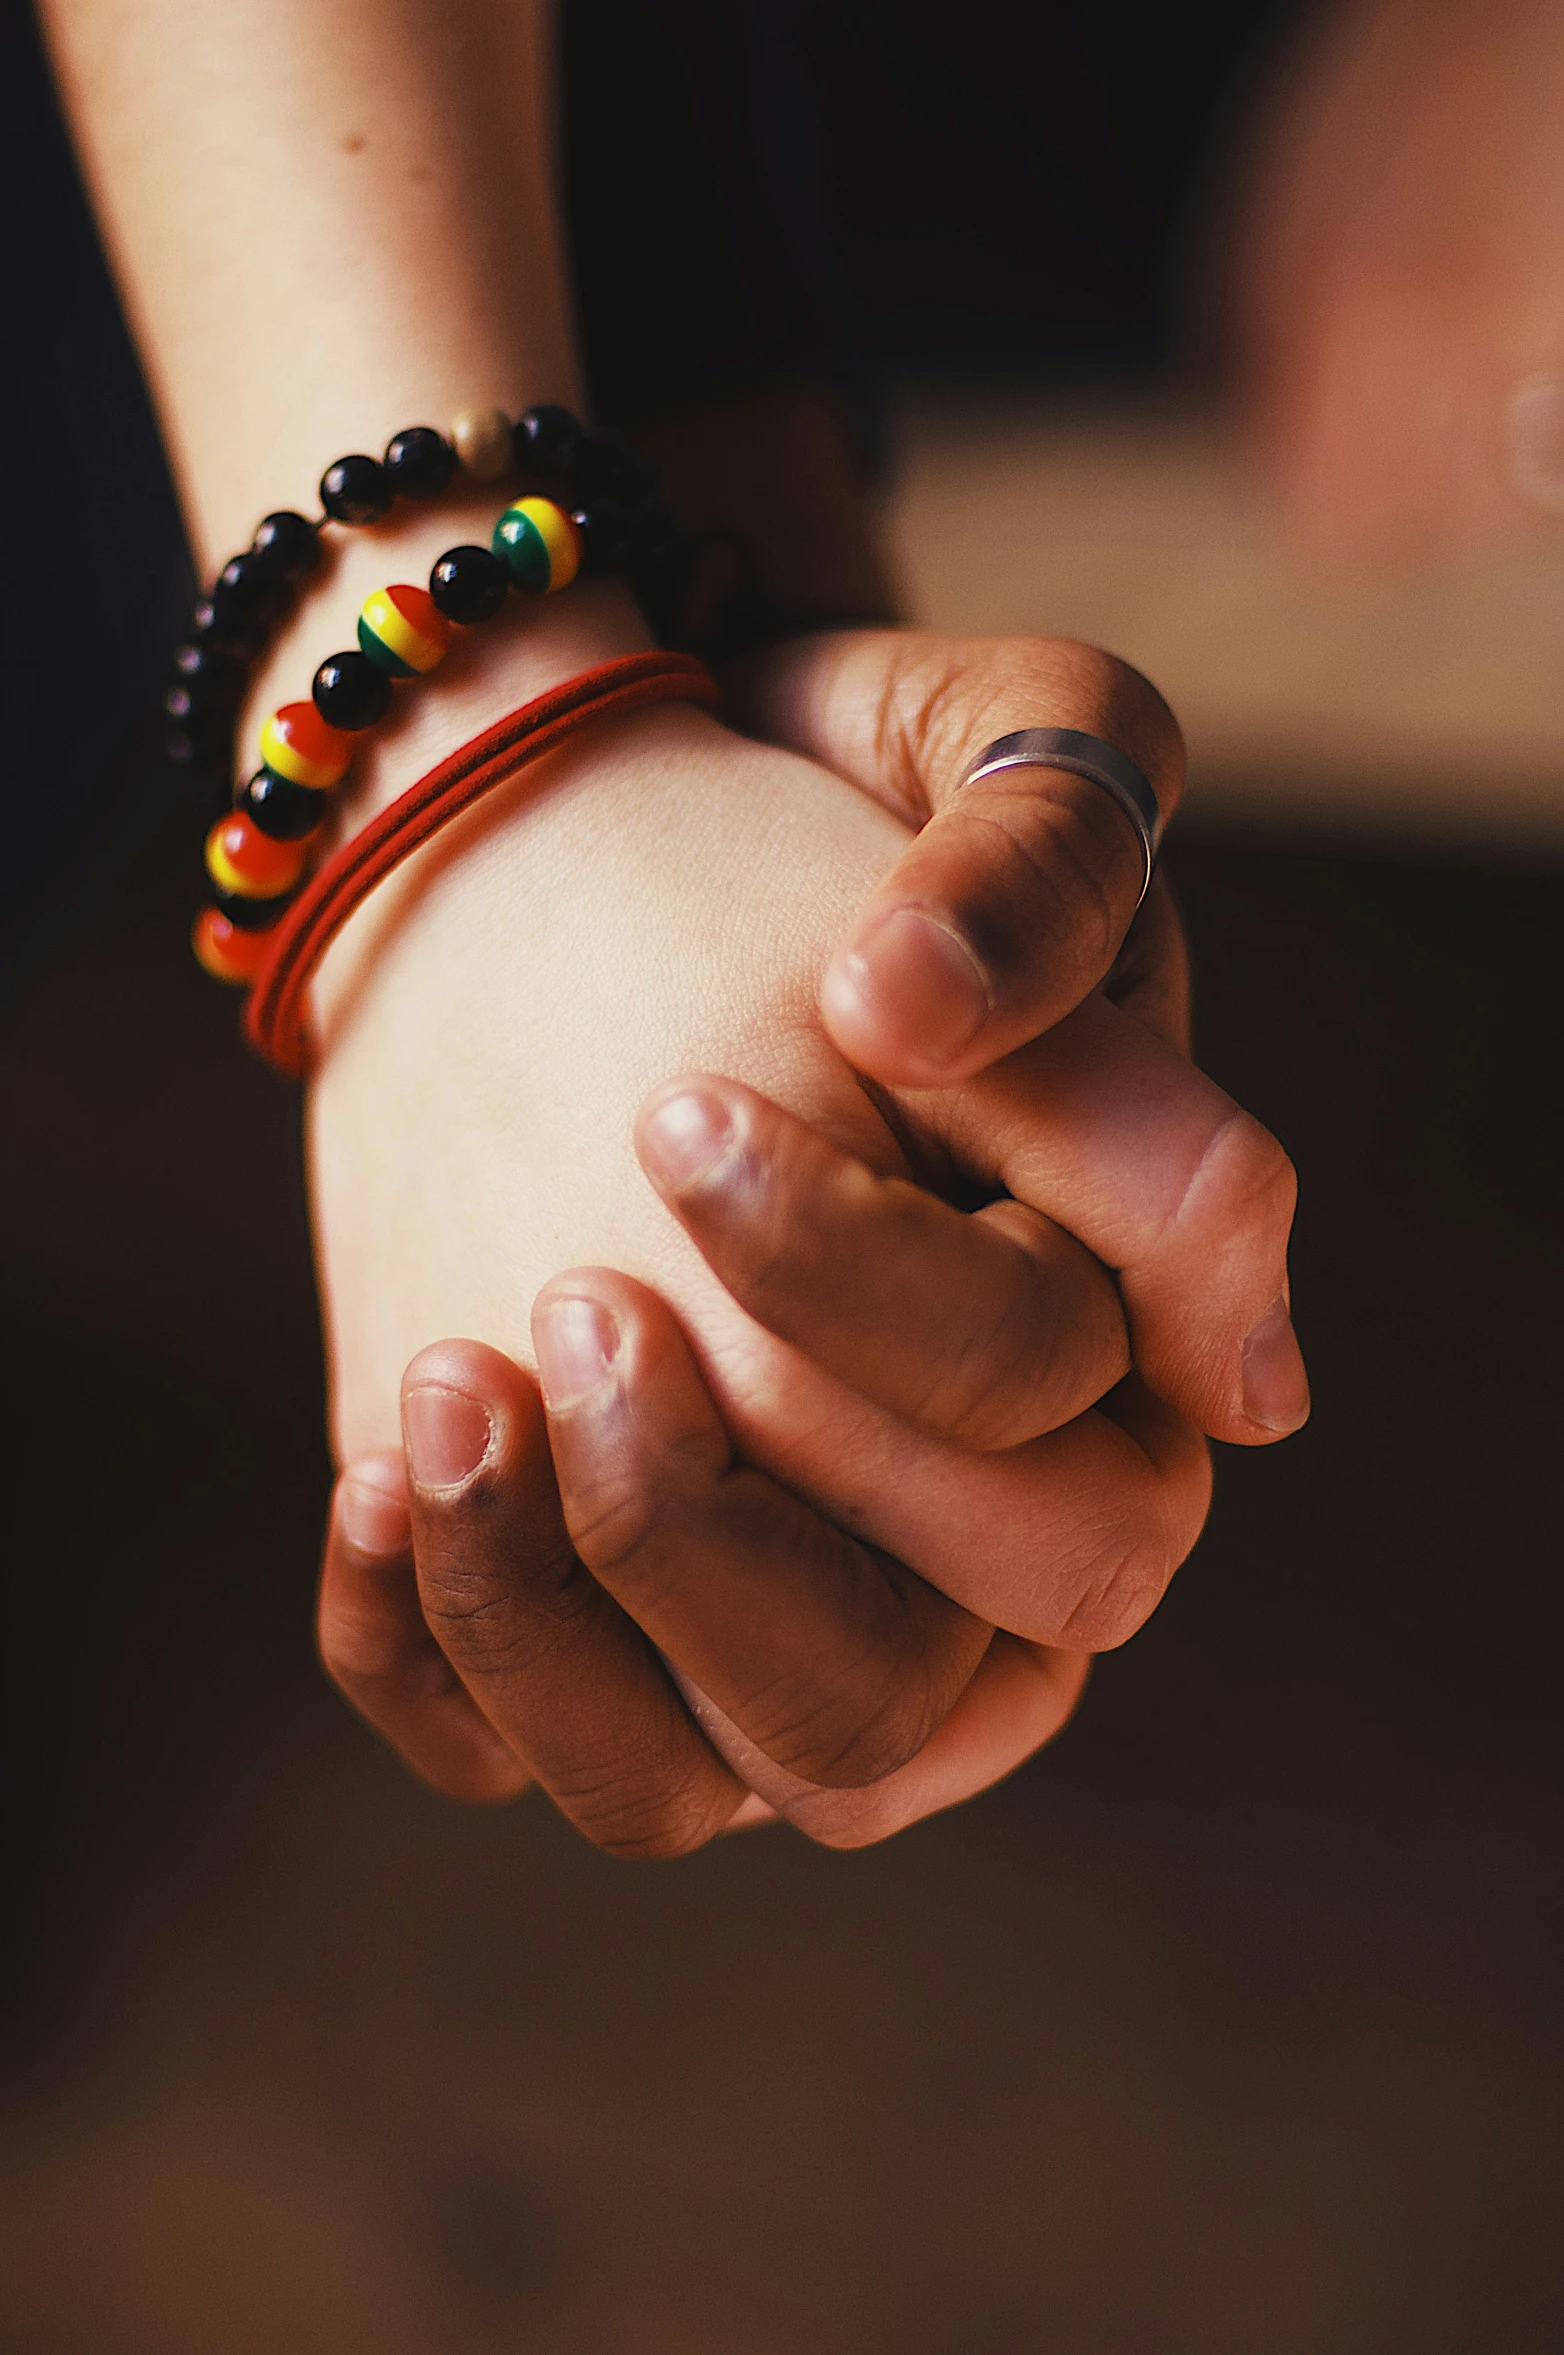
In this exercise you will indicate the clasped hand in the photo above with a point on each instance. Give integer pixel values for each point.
(925, 1283)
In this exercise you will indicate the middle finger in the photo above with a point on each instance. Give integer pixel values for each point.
(986, 1329)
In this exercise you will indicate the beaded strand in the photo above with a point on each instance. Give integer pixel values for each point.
(606, 489)
(257, 857)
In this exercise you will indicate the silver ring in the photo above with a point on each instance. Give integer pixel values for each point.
(1083, 756)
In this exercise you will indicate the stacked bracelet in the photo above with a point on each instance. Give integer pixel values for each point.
(606, 518)
(257, 856)
(274, 1016)
(605, 487)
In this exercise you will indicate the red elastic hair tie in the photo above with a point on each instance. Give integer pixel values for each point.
(274, 1012)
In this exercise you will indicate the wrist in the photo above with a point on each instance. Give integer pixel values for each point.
(490, 670)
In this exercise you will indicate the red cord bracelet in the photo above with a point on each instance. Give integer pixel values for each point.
(274, 1014)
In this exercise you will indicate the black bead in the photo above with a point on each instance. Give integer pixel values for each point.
(287, 545)
(199, 758)
(545, 442)
(251, 915)
(278, 807)
(356, 490)
(420, 462)
(351, 691)
(605, 468)
(469, 584)
(605, 529)
(240, 641)
(210, 672)
(245, 593)
(207, 726)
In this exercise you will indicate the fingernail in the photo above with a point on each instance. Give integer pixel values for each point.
(448, 1434)
(1276, 1387)
(914, 977)
(576, 1341)
(1537, 442)
(685, 1134)
(372, 1517)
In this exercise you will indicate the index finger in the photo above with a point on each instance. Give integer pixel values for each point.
(1014, 900)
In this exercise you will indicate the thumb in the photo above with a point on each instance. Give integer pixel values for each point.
(1014, 900)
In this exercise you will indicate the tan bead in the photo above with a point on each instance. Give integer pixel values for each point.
(482, 442)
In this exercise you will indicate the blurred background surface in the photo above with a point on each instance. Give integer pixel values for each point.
(1419, 708)
(1230, 2026)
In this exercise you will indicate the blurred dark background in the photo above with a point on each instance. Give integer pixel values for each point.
(1228, 2026)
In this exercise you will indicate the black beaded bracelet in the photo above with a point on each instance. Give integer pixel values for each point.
(606, 489)
(258, 855)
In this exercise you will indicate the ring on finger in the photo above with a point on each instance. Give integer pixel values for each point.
(1091, 757)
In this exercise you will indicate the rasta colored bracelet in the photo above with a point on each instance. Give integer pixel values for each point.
(274, 1015)
(608, 491)
(257, 856)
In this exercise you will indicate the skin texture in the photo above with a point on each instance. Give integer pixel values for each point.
(915, 1371)
(688, 934)
(1027, 880)
(496, 1655)
(293, 187)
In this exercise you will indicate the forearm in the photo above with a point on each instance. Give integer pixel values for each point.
(333, 220)
(330, 219)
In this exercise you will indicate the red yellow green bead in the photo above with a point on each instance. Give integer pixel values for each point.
(252, 865)
(298, 744)
(403, 631)
(257, 857)
(224, 951)
(540, 544)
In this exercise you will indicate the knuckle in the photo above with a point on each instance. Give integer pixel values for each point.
(499, 1622)
(926, 707)
(1062, 857)
(473, 1617)
(971, 1394)
(1025, 1355)
(1072, 683)
(373, 1660)
(1242, 1183)
(941, 699)
(1136, 715)
(1091, 853)
(846, 1820)
(778, 1254)
(621, 1501)
(841, 1746)
(611, 1517)
(1118, 1596)
(1006, 1382)
(649, 1814)
(481, 1601)
(1133, 1567)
